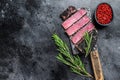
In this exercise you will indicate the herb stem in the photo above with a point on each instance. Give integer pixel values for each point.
(64, 56)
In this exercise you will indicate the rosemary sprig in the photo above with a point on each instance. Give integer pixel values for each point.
(64, 56)
(88, 40)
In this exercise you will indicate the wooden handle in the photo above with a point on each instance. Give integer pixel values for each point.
(96, 65)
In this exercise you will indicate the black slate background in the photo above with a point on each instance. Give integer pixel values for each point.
(27, 51)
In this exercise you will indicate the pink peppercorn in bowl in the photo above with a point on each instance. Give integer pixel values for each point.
(104, 14)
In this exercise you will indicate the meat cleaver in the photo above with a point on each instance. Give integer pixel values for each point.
(76, 23)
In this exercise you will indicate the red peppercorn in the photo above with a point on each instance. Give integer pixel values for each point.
(104, 13)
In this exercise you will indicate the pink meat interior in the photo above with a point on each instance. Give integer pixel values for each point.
(79, 35)
(75, 17)
(78, 25)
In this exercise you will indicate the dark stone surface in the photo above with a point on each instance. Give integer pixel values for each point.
(27, 51)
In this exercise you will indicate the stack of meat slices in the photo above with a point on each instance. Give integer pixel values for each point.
(76, 23)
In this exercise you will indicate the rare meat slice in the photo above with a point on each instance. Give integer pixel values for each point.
(79, 35)
(75, 17)
(78, 25)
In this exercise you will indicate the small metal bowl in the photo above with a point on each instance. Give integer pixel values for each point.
(96, 17)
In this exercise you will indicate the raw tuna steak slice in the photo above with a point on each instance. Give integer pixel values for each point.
(75, 17)
(78, 25)
(79, 35)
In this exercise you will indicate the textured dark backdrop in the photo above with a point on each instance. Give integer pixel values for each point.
(27, 51)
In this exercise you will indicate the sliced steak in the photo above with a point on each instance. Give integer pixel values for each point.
(75, 17)
(78, 25)
(75, 27)
(79, 35)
